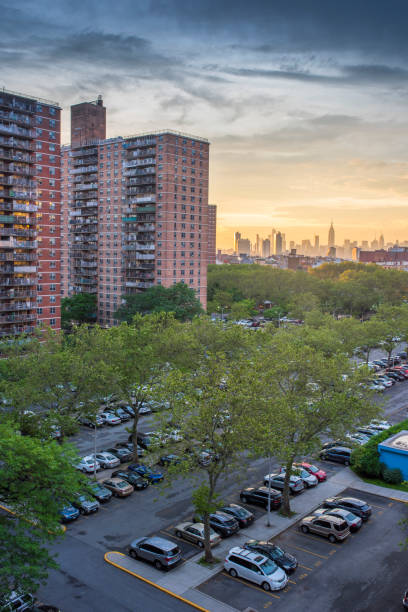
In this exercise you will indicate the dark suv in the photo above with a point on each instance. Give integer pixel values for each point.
(356, 506)
(221, 522)
(260, 495)
(341, 454)
(159, 551)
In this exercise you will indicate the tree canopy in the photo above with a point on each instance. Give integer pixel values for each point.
(179, 299)
(80, 308)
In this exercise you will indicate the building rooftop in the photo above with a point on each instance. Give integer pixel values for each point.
(27, 97)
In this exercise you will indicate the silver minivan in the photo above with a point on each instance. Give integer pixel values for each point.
(256, 568)
(159, 551)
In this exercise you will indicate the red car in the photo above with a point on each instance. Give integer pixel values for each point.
(312, 469)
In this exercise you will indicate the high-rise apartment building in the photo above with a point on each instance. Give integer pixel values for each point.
(212, 233)
(237, 237)
(30, 213)
(88, 122)
(244, 246)
(266, 247)
(138, 216)
(278, 243)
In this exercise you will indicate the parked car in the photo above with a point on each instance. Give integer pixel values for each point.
(194, 532)
(405, 599)
(169, 460)
(240, 514)
(333, 443)
(378, 424)
(401, 370)
(88, 465)
(122, 414)
(309, 480)
(283, 559)
(402, 355)
(16, 601)
(85, 504)
(244, 563)
(163, 553)
(110, 419)
(69, 513)
(107, 460)
(145, 472)
(277, 481)
(119, 487)
(129, 410)
(129, 446)
(395, 375)
(260, 496)
(354, 522)
(312, 469)
(332, 527)
(385, 381)
(102, 494)
(341, 454)
(123, 454)
(376, 386)
(367, 431)
(149, 440)
(91, 421)
(132, 478)
(352, 504)
(222, 523)
(358, 438)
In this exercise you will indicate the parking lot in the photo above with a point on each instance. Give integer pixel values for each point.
(365, 572)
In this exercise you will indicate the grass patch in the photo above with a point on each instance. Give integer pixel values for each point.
(291, 515)
(205, 563)
(377, 481)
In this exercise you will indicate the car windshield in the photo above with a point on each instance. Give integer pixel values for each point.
(121, 485)
(349, 516)
(269, 567)
(241, 512)
(313, 469)
(278, 552)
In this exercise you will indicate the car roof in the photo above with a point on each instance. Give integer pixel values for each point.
(353, 500)
(161, 542)
(247, 554)
(335, 519)
(343, 448)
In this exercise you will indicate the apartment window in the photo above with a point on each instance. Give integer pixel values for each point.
(51, 147)
(52, 135)
(53, 321)
(53, 299)
(53, 310)
(39, 310)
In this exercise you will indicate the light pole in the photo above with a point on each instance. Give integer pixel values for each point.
(95, 448)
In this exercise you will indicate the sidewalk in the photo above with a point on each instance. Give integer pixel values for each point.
(183, 580)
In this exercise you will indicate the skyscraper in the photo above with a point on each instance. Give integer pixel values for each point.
(88, 122)
(30, 213)
(316, 244)
(266, 247)
(237, 237)
(258, 245)
(381, 242)
(331, 240)
(272, 239)
(278, 243)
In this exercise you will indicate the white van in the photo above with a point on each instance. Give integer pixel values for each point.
(254, 567)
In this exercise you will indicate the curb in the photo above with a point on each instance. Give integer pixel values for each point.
(63, 527)
(153, 584)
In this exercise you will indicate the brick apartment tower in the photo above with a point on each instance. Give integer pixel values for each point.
(212, 233)
(135, 213)
(88, 122)
(30, 213)
(166, 223)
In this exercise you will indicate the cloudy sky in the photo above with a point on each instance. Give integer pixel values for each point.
(305, 103)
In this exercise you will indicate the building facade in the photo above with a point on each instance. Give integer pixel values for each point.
(30, 241)
(88, 122)
(136, 214)
(212, 233)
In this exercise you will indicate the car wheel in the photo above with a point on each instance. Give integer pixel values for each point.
(305, 529)
(157, 564)
(201, 544)
(179, 534)
(133, 554)
(332, 538)
(244, 499)
(233, 572)
(81, 511)
(266, 586)
(347, 463)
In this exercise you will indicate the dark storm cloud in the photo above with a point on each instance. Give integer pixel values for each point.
(368, 74)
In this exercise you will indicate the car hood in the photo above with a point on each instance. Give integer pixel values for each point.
(278, 575)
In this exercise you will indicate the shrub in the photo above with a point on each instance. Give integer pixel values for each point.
(392, 475)
(365, 459)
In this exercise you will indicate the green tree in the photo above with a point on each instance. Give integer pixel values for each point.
(36, 481)
(243, 310)
(178, 298)
(301, 394)
(57, 380)
(210, 408)
(80, 308)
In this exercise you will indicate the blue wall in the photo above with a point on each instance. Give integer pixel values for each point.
(394, 458)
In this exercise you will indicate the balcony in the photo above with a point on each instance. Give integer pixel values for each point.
(15, 331)
(135, 163)
(16, 318)
(85, 186)
(15, 306)
(139, 284)
(88, 264)
(11, 231)
(10, 294)
(12, 128)
(139, 246)
(140, 142)
(16, 156)
(84, 151)
(24, 207)
(15, 282)
(145, 227)
(145, 256)
(14, 219)
(84, 169)
(16, 143)
(18, 257)
(25, 269)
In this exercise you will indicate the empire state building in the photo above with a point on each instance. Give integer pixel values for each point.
(331, 240)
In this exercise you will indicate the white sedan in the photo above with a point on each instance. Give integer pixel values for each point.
(88, 465)
(110, 419)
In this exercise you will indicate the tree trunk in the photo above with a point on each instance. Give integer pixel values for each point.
(286, 490)
(208, 556)
(135, 423)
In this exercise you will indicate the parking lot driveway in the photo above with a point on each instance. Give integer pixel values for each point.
(366, 572)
